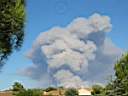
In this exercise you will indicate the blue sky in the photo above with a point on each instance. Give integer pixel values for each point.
(44, 14)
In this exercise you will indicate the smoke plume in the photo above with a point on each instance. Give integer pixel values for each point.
(78, 55)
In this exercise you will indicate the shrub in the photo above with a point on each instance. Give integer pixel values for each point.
(30, 92)
(71, 92)
(49, 89)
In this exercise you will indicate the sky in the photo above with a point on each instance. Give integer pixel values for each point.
(44, 14)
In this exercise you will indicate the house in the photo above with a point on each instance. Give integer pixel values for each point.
(60, 92)
(84, 92)
(57, 92)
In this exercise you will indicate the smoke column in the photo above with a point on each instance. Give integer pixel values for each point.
(78, 55)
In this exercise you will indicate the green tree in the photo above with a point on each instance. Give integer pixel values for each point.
(12, 18)
(17, 87)
(118, 86)
(71, 92)
(19, 90)
(30, 92)
(121, 67)
(97, 90)
(121, 72)
(50, 89)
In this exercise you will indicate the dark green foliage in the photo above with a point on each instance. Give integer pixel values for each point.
(71, 92)
(17, 87)
(97, 89)
(61, 87)
(121, 68)
(30, 92)
(12, 17)
(118, 86)
(50, 89)
(19, 90)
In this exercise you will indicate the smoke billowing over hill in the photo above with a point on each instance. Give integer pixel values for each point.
(78, 55)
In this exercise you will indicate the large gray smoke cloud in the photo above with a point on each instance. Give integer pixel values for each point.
(78, 55)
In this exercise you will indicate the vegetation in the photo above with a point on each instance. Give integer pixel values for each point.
(17, 87)
(19, 90)
(97, 90)
(12, 14)
(118, 86)
(30, 92)
(71, 92)
(50, 89)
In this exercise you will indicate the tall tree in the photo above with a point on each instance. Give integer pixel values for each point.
(121, 68)
(17, 87)
(12, 18)
(121, 73)
(118, 86)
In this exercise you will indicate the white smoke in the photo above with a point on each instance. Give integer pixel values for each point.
(74, 55)
(68, 79)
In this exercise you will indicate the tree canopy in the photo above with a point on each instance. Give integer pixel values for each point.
(17, 87)
(118, 86)
(12, 18)
(30, 92)
(19, 90)
(97, 89)
(71, 92)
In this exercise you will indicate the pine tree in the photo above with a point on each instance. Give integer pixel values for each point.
(12, 18)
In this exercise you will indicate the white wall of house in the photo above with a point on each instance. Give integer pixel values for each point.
(84, 92)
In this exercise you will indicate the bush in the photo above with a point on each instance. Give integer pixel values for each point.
(97, 89)
(71, 92)
(49, 89)
(17, 87)
(30, 92)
